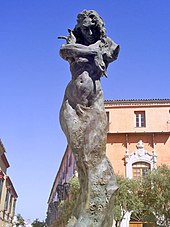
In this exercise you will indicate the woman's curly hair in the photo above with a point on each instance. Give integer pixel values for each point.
(95, 19)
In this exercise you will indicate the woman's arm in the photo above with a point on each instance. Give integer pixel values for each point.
(111, 51)
(78, 50)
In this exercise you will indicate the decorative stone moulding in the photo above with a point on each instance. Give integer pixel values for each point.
(140, 155)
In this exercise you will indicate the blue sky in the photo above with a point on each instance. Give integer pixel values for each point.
(33, 79)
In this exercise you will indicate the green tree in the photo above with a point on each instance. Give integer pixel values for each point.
(20, 221)
(147, 198)
(37, 223)
(126, 198)
(156, 195)
(66, 207)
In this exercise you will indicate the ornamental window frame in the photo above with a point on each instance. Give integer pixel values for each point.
(138, 156)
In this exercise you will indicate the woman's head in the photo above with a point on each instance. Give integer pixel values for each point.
(89, 28)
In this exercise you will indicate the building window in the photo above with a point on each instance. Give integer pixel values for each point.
(6, 200)
(10, 204)
(140, 119)
(1, 186)
(13, 207)
(140, 169)
(70, 160)
(108, 120)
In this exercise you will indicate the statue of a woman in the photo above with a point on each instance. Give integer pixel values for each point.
(83, 119)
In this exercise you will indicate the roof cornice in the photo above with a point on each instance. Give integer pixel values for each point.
(2, 146)
(11, 186)
(138, 102)
(5, 161)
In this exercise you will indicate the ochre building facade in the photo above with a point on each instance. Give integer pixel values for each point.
(8, 195)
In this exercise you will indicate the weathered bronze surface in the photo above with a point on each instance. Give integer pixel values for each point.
(83, 119)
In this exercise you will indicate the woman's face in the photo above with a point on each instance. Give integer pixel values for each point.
(89, 30)
(89, 34)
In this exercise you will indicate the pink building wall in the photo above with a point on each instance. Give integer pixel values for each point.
(123, 135)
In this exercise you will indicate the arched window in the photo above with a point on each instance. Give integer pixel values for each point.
(140, 169)
(137, 220)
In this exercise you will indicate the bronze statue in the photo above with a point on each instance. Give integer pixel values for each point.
(83, 119)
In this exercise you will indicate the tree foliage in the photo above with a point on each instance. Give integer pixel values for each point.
(66, 207)
(156, 194)
(37, 223)
(126, 198)
(147, 198)
(20, 221)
